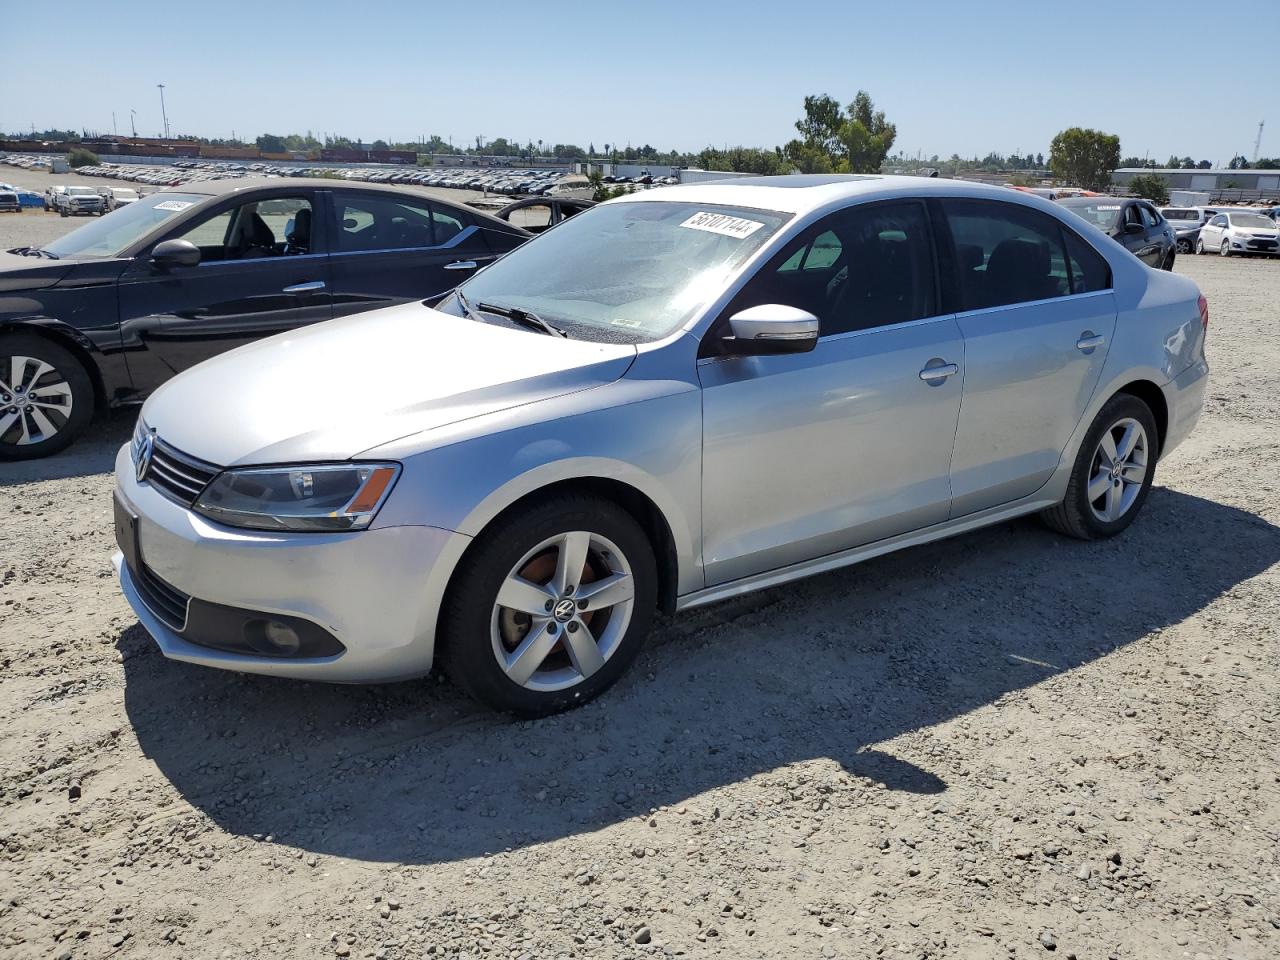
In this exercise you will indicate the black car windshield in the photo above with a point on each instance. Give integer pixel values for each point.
(1101, 213)
(628, 272)
(117, 231)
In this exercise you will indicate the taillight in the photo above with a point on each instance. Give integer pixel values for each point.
(1204, 312)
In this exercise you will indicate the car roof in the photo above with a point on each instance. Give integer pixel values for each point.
(222, 188)
(807, 193)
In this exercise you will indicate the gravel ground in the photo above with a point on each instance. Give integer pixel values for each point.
(1007, 744)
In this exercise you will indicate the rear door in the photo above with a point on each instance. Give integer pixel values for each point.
(255, 278)
(391, 248)
(1037, 313)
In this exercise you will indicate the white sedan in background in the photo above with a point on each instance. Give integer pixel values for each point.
(1231, 233)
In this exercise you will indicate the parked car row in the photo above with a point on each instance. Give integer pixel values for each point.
(644, 179)
(505, 180)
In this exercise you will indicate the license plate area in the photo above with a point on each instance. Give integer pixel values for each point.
(126, 522)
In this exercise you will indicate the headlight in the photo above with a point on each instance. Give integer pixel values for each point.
(320, 498)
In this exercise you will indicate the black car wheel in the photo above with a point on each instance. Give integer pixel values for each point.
(46, 397)
(549, 606)
(1112, 473)
(1184, 246)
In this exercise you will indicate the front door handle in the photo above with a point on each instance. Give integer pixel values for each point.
(305, 287)
(1090, 340)
(461, 265)
(940, 372)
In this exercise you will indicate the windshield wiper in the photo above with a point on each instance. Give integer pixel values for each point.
(525, 318)
(467, 308)
(42, 252)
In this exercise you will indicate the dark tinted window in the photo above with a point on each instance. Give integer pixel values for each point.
(867, 266)
(367, 222)
(1089, 271)
(1005, 253)
(1149, 217)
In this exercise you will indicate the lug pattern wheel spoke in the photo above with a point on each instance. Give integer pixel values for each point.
(1119, 470)
(550, 636)
(29, 387)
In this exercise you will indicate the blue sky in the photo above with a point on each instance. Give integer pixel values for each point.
(954, 77)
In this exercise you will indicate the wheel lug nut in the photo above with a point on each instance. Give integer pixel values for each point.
(551, 629)
(573, 628)
(568, 591)
(582, 604)
(548, 606)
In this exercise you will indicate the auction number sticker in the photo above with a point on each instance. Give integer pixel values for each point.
(1108, 206)
(173, 205)
(723, 224)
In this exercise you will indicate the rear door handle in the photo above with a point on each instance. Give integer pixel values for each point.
(1089, 341)
(461, 265)
(940, 372)
(304, 287)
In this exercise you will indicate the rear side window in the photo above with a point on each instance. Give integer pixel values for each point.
(1006, 254)
(1089, 271)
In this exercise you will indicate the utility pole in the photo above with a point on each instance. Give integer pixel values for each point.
(1257, 144)
(114, 129)
(162, 111)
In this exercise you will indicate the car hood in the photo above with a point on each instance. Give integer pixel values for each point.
(30, 273)
(330, 391)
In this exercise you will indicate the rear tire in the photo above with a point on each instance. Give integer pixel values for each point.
(557, 643)
(1200, 251)
(1109, 483)
(46, 397)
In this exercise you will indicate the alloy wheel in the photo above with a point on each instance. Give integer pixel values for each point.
(35, 400)
(1225, 249)
(1119, 470)
(562, 611)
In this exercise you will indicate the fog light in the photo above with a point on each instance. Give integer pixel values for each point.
(272, 638)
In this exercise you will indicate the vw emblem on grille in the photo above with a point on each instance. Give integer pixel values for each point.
(145, 450)
(565, 610)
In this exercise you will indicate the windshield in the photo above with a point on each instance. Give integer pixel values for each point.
(1099, 213)
(625, 272)
(117, 231)
(1251, 221)
(79, 191)
(1177, 213)
(122, 194)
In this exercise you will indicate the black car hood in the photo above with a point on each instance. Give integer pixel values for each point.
(30, 273)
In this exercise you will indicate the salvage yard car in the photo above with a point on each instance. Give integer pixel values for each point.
(80, 202)
(1236, 233)
(103, 315)
(1134, 224)
(672, 398)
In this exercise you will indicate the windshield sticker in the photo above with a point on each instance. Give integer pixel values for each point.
(625, 322)
(720, 223)
(1108, 206)
(173, 205)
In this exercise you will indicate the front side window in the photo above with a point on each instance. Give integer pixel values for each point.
(867, 266)
(628, 272)
(251, 231)
(1006, 254)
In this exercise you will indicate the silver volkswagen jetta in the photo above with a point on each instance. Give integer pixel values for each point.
(670, 399)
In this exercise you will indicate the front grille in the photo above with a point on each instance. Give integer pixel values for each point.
(168, 603)
(178, 476)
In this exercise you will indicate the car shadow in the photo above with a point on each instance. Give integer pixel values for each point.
(95, 452)
(829, 667)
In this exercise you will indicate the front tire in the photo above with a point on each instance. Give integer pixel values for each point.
(1225, 249)
(549, 606)
(1112, 473)
(46, 397)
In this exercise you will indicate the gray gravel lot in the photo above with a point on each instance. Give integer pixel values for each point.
(1007, 744)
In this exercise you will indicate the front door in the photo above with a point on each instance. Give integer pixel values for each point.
(392, 248)
(262, 271)
(810, 454)
(1037, 315)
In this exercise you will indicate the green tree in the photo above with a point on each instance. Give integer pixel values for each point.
(271, 143)
(380, 145)
(80, 157)
(1149, 186)
(832, 140)
(866, 136)
(1084, 157)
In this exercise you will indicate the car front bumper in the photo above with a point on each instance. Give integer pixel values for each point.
(378, 591)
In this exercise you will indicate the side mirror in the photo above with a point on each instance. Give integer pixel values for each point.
(175, 253)
(1132, 227)
(771, 328)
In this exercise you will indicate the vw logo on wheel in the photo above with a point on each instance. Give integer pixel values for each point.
(564, 610)
(145, 450)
